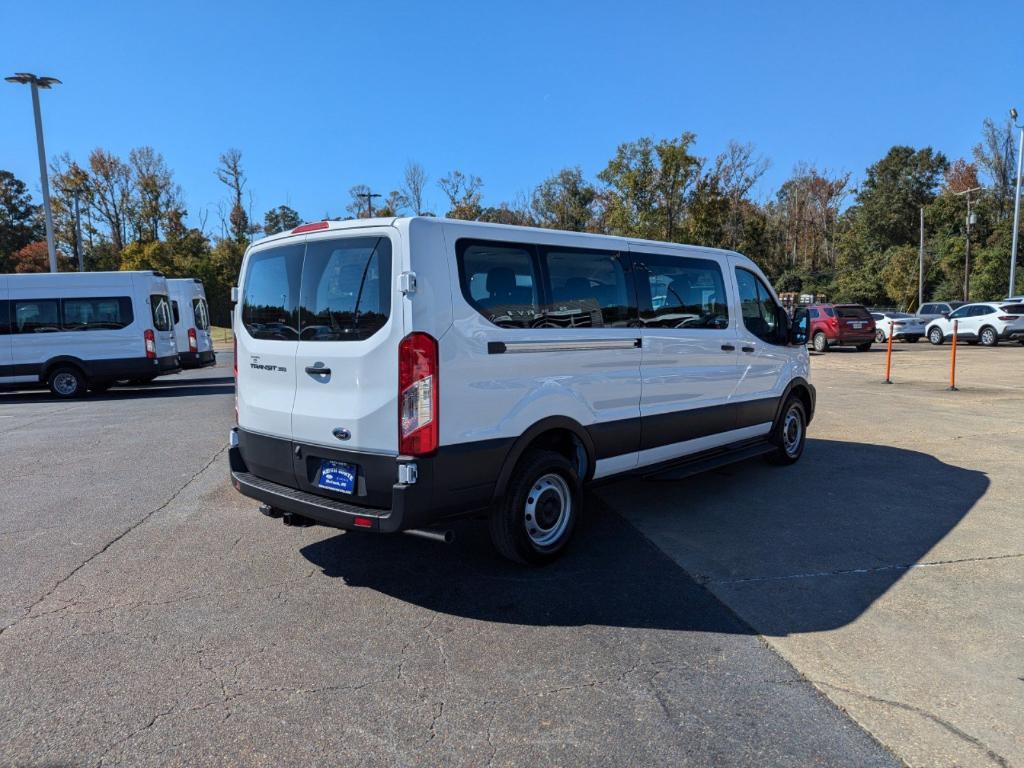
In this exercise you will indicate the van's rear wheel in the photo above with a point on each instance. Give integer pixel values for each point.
(790, 433)
(66, 382)
(536, 518)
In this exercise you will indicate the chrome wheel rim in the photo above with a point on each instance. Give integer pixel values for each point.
(548, 509)
(819, 342)
(792, 431)
(986, 337)
(65, 383)
(879, 336)
(935, 336)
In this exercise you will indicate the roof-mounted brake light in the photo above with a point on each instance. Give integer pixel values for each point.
(311, 227)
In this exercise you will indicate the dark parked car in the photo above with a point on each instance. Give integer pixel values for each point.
(935, 309)
(841, 325)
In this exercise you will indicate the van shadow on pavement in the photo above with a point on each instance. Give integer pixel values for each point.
(844, 507)
(169, 387)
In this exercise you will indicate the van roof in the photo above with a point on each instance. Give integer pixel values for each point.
(397, 220)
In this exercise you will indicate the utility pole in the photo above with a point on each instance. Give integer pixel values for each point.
(27, 78)
(369, 202)
(920, 265)
(967, 249)
(1016, 208)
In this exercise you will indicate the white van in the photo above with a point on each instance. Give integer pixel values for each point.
(191, 322)
(71, 331)
(394, 373)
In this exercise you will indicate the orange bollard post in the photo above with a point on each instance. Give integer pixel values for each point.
(952, 362)
(888, 355)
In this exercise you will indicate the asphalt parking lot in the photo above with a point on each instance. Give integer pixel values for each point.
(860, 608)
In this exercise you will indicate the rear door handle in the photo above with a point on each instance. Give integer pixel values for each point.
(748, 349)
(314, 370)
(728, 348)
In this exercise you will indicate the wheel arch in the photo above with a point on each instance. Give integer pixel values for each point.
(803, 389)
(559, 433)
(54, 362)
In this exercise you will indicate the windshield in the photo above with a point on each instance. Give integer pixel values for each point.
(161, 306)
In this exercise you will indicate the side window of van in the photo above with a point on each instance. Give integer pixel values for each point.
(176, 311)
(36, 315)
(100, 314)
(588, 289)
(682, 292)
(270, 301)
(500, 281)
(5, 317)
(759, 309)
(346, 289)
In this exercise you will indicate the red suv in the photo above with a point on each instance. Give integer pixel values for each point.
(838, 325)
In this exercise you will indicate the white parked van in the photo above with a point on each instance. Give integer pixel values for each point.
(191, 322)
(72, 331)
(393, 373)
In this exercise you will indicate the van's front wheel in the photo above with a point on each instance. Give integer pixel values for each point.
(536, 518)
(790, 433)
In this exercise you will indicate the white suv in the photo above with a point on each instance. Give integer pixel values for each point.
(396, 373)
(985, 323)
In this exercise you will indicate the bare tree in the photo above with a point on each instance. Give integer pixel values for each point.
(997, 157)
(231, 175)
(736, 171)
(156, 193)
(413, 187)
(112, 189)
(463, 193)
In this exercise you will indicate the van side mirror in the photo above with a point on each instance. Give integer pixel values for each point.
(800, 328)
(234, 294)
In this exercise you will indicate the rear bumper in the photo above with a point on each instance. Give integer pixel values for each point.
(197, 359)
(168, 364)
(411, 503)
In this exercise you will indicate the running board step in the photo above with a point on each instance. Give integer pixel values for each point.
(706, 463)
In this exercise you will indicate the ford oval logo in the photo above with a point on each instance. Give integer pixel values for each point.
(341, 433)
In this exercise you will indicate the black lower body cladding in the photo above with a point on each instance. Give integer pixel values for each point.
(197, 359)
(457, 479)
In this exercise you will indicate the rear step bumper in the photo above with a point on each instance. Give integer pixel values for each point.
(407, 509)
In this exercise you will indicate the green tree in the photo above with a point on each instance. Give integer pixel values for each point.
(280, 219)
(648, 185)
(19, 218)
(565, 201)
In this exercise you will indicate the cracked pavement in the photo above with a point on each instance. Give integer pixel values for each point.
(151, 616)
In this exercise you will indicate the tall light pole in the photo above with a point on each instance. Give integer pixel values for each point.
(920, 265)
(1016, 208)
(967, 250)
(27, 78)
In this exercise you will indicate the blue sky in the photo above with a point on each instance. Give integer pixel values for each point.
(321, 96)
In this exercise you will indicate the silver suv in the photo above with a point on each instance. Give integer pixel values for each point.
(936, 309)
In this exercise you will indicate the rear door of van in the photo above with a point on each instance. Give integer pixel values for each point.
(201, 318)
(267, 336)
(346, 362)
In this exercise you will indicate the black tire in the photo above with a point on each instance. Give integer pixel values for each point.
(879, 336)
(988, 336)
(66, 382)
(789, 435)
(544, 483)
(820, 342)
(935, 336)
(864, 347)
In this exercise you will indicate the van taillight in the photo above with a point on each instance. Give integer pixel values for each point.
(193, 342)
(417, 394)
(150, 344)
